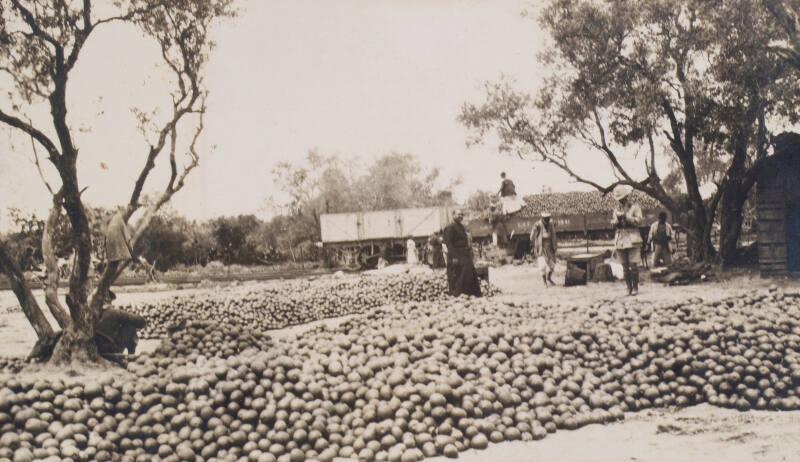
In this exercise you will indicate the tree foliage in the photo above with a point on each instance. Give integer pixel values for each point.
(231, 235)
(787, 16)
(170, 241)
(328, 184)
(696, 81)
(25, 243)
(479, 202)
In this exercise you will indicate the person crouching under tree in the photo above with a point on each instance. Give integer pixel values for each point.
(543, 238)
(461, 276)
(116, 330)
(627, 242)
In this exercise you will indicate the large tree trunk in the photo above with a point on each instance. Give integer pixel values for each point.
(26, 300)
(77, 343)
(737, 186)
(731, 219)
(76, 346)
(699, 220)
(699, 247)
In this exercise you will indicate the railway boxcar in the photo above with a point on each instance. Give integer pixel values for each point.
(359, 238)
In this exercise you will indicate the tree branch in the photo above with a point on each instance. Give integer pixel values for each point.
(51, 263)
(153, 154)
(33, 132)
(81, 35)
(195, 158)
(133, 13)
(39, 167)
(181, 106)
(29, 19)
(23, 293)
(607, 151)
(87, 15)
(675, 137)
(175, 184)
(173, 165)
(651, 169)
(788, 23)
(714, 202)
(650, 185)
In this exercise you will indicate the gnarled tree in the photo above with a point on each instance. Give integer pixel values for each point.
(698, 77)
(42, 41)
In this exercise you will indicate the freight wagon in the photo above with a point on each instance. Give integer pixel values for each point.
(596, 224)
(591, 226)
(359, 238)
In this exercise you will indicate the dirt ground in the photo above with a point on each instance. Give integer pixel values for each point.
(524, 283)
(700, 433)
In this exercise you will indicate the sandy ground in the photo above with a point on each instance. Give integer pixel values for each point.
(700, 433)
(524, 283)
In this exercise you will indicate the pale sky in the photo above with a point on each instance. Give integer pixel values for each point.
(350, 77)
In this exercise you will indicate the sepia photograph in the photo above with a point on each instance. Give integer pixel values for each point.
(400, 230)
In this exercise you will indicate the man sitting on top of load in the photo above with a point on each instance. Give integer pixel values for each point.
(508, 196)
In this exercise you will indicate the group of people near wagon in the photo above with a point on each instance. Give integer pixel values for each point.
(452, 247)
(629, 242)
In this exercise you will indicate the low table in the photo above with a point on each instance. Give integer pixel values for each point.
(587, 262)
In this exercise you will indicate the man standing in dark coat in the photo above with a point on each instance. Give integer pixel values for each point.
(461, 276)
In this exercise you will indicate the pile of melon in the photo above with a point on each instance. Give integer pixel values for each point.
(580, 203)
(402, 382)
(286, 303)
(11, 364)
(198, 338)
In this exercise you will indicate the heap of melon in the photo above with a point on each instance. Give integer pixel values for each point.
(405, 381)
(287, 303)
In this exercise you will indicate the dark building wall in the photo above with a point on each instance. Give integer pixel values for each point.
(779, 216)
(791, 176)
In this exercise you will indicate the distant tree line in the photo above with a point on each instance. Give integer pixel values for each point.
(325, 184)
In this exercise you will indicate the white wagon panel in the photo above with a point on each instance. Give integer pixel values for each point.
(339, 227)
